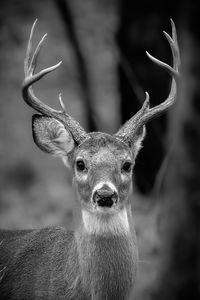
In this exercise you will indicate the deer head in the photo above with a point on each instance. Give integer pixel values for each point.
(102, 164)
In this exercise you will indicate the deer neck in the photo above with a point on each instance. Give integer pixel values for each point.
(107, 254)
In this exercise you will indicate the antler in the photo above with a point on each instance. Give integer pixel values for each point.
(145, 114)
(72, 125)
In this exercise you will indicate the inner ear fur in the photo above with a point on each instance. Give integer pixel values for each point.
(51, 136)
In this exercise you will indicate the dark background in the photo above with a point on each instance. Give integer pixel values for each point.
(104, 75)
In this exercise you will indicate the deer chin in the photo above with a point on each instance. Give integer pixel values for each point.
(106, 222)
(107, 211)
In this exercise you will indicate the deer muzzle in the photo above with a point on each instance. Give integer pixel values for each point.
(105, 196)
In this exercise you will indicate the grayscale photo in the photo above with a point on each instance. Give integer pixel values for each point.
(100, 150)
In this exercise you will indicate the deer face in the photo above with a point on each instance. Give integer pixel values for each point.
(102, 168)
(102, 164)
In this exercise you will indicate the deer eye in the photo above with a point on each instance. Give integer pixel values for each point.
(80, 165)
(127, 167)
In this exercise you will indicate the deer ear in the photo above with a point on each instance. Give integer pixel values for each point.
(51, 136)
(138, 138)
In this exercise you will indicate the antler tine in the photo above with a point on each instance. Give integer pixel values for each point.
(30, 63)
(33, 62)
(127, 128)
(28, 50)
(145, 115)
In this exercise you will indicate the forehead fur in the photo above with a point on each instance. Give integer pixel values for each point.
(99, 141)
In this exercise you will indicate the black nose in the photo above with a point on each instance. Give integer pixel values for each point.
(105, 197)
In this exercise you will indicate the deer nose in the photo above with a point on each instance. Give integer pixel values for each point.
(105, 197)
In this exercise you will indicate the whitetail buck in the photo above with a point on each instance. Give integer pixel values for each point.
(99, 259)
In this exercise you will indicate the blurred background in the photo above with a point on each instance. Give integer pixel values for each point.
(103, 77)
